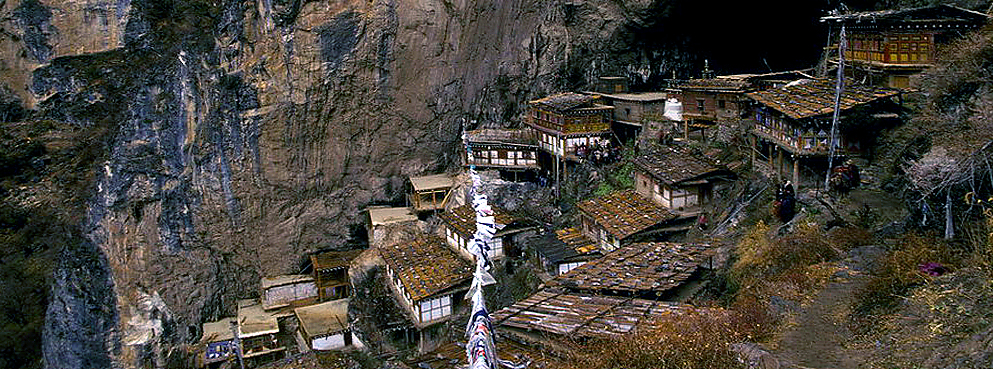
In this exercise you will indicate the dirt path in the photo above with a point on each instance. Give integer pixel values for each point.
(820, 337)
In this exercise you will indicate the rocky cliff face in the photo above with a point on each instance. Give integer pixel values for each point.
(239, 135)
(243, 134)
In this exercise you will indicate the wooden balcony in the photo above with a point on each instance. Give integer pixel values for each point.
(806, 145)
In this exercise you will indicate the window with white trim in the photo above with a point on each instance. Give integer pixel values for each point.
(436, 308)
(566, 267)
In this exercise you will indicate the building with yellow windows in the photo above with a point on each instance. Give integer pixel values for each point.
(889, 47)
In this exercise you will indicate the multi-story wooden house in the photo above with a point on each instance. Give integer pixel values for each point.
(888, 47)
(331, 273)
(632, 109)
(511, 150)
(707, 102)
(792, 124)
(459, 225)
(429, 280)
(623, 217)
(564, 122)
(676, 178)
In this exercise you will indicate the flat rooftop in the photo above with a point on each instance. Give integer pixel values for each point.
(383, 215)
(432, 182)
(325, 318)
(218, 331)
(254, 321)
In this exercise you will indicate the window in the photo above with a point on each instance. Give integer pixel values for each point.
(721, 104)
(566, 267)
(436, 308)
(699, 105)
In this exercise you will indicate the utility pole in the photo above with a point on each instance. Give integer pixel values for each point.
(237, 344)
(842, 45)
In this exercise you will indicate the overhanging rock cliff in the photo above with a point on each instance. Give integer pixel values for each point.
(244, 134)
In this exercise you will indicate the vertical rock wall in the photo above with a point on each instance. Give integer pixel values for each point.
(245, 134)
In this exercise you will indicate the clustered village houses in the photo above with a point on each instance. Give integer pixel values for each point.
(618, 265)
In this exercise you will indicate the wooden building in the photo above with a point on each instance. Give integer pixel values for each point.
(623, 217)
(331, 273)
(888, 47)
(218, 342)
(677, 178)
(550, 317)
(286, 290)
(459, 225)
(430, 193)
(512, 150)
(653, 270)
(792, 124)
(257, 331)
(631, 110)
(380, 216)
(325, 326)
(564, 122)
(707, 102)
(612, 85)
(563, 250)
(429, 280)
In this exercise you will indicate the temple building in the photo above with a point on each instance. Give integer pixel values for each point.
(676, 178)
(564, 122)
(623, 217)
(888, 47)
(380, 216)
(792, 124)
(511, 151)
(459, 225)
(257, 331)
(550, 317)
(632, 110)
(707, 102)
(429, 280)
